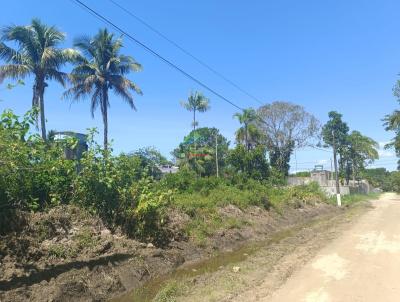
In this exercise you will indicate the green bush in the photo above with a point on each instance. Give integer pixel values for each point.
(33, 174)
(249, 163)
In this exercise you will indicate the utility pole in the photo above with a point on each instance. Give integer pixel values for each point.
(338, 198)
(216, 153)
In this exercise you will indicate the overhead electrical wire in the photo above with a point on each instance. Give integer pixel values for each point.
(168, 62)
(154, 53)
(186, 52)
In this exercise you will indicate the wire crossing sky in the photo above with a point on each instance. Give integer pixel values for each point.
(324, 55)
(202, 63)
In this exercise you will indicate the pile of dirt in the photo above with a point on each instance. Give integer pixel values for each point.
(67, 254)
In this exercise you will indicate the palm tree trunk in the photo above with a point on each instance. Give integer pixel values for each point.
(246, 138)
(194, 119)
(42, 115)
(105, 118)
(35, 102)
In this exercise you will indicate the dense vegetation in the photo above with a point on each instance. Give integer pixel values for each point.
(128, 191)
(124, 190)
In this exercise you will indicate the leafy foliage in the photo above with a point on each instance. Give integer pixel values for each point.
(37, 54)
(356, 151)
(33, 174)
(249, 134)
(249, 163)
(196, 102)
(197, 151)
(286, 126)
(100, 68)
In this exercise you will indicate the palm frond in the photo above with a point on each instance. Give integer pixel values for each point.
(9, 54)
(25, 37)
(14, 71)
(96, 100)
(58, 76)
(77, 92)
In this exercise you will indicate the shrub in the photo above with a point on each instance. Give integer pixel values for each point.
(250, 163)
(33, 174)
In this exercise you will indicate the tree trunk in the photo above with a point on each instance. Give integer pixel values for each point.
(42, 115)
(336, 170)
(105, 118)
(35, 102)
(194, 119)
(246, 136)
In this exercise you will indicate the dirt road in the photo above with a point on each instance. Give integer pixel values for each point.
(363, 264)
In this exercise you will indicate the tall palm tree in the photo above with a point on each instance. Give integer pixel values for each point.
(196, 102)
(249, 130)
(99, 69)
(37, 54)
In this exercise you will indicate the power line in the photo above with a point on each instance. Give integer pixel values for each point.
(320, 149)
(154, 53)
(186, 52)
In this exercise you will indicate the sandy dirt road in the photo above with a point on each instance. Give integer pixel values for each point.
(363, 264)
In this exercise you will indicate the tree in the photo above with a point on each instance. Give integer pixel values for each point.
(392, 123)
(151, 159)
(197, 151)
(250, 163)
(100, 68)
(196, 102)
(378, 178)
(37, 54)
(334, 134)
(361, 151)
(286, 127)
(249, 135)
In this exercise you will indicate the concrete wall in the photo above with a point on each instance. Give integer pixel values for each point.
(331, 190)
(298, 181)
(329, 186)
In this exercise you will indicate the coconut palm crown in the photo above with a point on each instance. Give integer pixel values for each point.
(99, 69)
(249, 134)
(196, 102)
(36, 54)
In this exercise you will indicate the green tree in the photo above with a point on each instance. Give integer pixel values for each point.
(196, 102)
(361, 151)
(392, 123)
(99, 69)
(198, 149)
(151, 159)
(249, 163)
(377, 177)
(249, 134)
(37, 54)
(286, 127)
(335, 134)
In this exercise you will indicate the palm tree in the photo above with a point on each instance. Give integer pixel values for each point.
(36, 54)
(99, 69)
(249, 131)
(196, 102)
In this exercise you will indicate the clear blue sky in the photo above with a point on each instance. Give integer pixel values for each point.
(325, 55)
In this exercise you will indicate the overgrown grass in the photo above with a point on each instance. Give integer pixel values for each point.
(169, 292)
(354, 198)
(204, 206)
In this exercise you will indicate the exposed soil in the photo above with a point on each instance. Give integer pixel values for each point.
(68, 255)
(262, 270)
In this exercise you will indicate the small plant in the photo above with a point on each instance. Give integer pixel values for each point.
(60, 251)
(85, 239)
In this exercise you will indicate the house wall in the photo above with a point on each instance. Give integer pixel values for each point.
(329, 186)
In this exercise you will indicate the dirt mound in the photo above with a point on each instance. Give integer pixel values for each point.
(67, 254)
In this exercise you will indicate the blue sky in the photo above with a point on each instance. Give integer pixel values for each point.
(323, 55)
